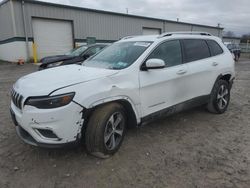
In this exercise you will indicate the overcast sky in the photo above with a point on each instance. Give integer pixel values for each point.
(233, 15)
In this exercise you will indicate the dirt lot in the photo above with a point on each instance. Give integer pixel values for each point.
(190, 149)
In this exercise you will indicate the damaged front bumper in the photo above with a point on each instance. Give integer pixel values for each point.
(50, 128)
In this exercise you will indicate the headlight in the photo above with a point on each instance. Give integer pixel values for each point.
(51, 101)
(55, 64)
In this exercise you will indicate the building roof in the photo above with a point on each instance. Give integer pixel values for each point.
(231, 37)
(109, 12)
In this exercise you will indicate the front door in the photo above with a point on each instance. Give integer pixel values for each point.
(162, 88)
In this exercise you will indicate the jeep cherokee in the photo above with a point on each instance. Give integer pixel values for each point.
(136, 79)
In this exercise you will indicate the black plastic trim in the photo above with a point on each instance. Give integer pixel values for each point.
(197, 101)
(28, 139)
(14, 39)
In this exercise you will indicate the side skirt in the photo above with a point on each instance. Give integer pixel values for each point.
(198, 101)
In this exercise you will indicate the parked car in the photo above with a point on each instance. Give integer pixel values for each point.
(234, 49)
(134, 80)
(76, 55)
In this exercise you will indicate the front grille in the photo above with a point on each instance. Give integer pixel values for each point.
(16, 99)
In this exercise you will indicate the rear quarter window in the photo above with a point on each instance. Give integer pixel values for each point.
(195, 49)
(214, 47)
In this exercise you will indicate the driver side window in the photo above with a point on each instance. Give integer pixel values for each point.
(169, 52)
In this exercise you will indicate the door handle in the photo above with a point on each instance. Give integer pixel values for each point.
(181, 72)
(215, 64)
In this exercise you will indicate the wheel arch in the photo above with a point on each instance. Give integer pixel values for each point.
(130, 109)
(227, 77)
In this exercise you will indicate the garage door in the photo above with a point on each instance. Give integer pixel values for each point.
(151, 31)
(52, 37)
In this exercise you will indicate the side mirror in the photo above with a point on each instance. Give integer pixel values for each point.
(153, 64)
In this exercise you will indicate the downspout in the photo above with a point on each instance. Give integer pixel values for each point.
(164, 26)
(13, 18)
(25, 31)
(219, 32)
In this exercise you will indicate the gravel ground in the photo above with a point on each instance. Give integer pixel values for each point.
(189, 149)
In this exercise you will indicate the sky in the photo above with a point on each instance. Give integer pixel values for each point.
(233, 15)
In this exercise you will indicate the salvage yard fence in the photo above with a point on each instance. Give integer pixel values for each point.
(245, 47)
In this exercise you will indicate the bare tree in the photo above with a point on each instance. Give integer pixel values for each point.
(245, 38)
(229, 34)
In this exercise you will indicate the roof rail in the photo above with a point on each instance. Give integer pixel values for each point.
(184, 33)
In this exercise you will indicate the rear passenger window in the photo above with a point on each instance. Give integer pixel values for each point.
(214, 47)
(169, 52)
(195, 49)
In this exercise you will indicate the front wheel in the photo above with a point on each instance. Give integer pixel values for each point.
(219, 98)
(105, 130)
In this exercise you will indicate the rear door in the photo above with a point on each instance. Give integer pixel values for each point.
(162, 88)
(202, 68)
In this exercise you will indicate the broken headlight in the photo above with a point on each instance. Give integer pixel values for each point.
(50, 101)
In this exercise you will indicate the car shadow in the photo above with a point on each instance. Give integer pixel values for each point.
(165, 124)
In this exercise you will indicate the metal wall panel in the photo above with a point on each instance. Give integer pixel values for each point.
(151, 31)
(6, 22)
(103, 26)
(18, 19)
(212, 31)
(232, 40)
(171, 27)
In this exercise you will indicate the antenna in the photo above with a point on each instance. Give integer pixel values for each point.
(127, 10)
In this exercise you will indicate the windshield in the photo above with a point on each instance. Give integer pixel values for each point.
(77, 51)
(118, 56)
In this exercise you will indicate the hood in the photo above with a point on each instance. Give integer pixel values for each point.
(44, 82)
(57, 58)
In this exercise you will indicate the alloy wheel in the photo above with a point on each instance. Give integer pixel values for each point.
(114, 131)
(222, 97)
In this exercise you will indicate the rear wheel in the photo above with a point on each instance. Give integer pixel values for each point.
(105, 130)
(219, 98)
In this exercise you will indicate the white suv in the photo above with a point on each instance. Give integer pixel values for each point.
(134, 80)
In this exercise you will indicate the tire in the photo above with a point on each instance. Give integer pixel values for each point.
(105, 130)
(219, 98)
